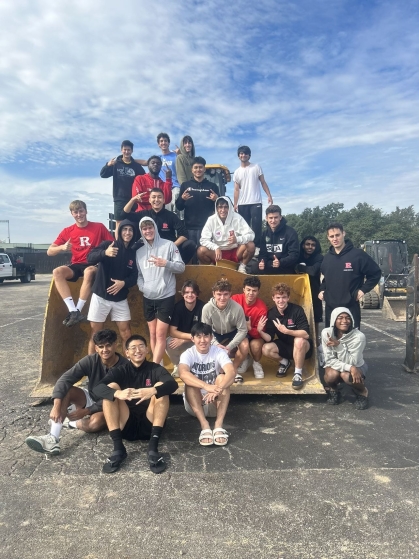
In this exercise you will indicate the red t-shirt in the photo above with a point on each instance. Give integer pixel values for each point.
(255, 312)
(83, 239)
(144, 183)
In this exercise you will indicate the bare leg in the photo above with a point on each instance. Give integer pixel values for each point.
(152, 325)
(359, 387)
(124, 327)
(96, 327)
(245, 252)
(116, 412)
(270, 350)
(241, 353)
(301, 346)
(222, 405)
(256, 349)
(158, 409)
(205, 255)
(331, 378)
(88, 279)
(160, 345)
(117, 223)
(194, 398)
(61, 275)
(92, 424)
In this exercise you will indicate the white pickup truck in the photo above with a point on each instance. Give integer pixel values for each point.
(13, 268)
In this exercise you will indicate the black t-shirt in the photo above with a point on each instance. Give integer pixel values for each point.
(294, 318)
(183, 318)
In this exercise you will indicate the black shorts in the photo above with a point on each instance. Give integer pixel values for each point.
(138, 427)
(286, 350)
(118, 209)
(162, 309)
(78, 270)
(224, 339)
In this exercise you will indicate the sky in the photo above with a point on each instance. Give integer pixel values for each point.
(325, 92)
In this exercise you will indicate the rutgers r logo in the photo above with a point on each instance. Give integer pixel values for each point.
(348, 265)
(147, 382)
(84, 242)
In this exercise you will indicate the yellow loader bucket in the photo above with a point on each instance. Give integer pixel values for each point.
(62, 347)
(394, 308)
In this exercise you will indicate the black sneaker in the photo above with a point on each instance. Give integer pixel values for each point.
(333, 397)
(361, 402)
(67, 318)
(75, 317)
(282, 371)
(297, 381)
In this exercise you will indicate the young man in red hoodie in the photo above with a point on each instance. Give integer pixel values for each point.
(143, 184)
(256, 313)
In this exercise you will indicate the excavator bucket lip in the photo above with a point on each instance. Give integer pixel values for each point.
(62, 346)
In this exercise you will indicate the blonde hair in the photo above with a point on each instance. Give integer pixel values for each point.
(76, 205)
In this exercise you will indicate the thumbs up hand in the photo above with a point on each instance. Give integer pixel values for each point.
(112, 250)
(276, 262)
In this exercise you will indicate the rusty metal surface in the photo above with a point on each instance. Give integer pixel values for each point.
(62, 347)
(394, 308)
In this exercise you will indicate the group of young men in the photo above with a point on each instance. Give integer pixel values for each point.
(209, 343)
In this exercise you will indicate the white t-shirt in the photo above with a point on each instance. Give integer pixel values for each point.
(205, 366)
(248, 180)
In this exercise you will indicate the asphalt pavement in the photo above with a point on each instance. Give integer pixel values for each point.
(298, 479)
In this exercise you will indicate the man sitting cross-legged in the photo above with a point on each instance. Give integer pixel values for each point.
(255, 310)
(187, 312)
(94, 367)
(226, 235)
(343, 347)
(228, 323)
(135, 404)
(208, 373)
(289, 323)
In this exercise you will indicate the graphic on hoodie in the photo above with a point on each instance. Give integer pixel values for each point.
(216, 234)
(156, 282)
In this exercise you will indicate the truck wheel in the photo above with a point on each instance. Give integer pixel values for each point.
(26, 278)
(375, 300)
(365, 302)
(1, 280)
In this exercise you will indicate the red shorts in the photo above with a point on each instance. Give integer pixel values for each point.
(229, 255)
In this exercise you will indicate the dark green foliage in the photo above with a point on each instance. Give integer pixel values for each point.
(362, 223)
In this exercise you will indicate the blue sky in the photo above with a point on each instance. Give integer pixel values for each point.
(324, 92)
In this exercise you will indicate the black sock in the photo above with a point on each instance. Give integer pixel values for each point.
(155, 437)
(116, 437)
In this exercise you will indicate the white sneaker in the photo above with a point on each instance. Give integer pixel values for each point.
(242, 268)
(47, 444)
(243, 367)
(257, 370)
(175, 372)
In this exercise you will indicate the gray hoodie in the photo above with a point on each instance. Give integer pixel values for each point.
(184, 163)
(224, 321)
(349, 352)
(154, 281)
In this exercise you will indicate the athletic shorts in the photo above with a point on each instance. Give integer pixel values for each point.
(100, 308)
(224, 339)
(78, 271)
(162, 309)
(118, 209)
(89, 401)
(138, 427)
(210, 410)
(286, 350)
(229, 255)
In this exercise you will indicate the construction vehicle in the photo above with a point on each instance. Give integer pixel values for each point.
(390, 294)
(12, 267)
(62, 347)
(219, 175)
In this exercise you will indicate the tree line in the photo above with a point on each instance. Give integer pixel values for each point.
(362, 223)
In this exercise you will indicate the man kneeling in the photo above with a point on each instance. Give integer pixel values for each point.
(86, 413)
(208, 373)
(135, 404)
(343, 347)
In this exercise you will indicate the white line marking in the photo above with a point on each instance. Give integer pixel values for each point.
(383, 332)
(22, 319)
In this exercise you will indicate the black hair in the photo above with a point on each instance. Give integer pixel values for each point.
(157, 189)
(135, 337)
(335, 330)
(153, 157)
(201, 328)
(273, 209)
(127, 143)
(221, 200)
(105, 336)
(163, 135)
(252, 281)
(190, 283)
(199, 160)
(317, 250)
(187, 138)
(335, 225)
(244, 149)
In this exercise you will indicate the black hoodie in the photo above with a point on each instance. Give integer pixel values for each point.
(312, 264)
(123, 176)
(121, 267)
(282, 242)
(344, 275)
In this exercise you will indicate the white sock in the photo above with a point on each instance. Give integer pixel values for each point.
(73, 424)
(298, 371)
(284, 361)
(70, 304)
(56, 429)
(80, 305)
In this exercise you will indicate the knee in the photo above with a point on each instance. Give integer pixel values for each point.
(301, 343)
(266, 349)
(97, 422)
(251, 246)
(158, 384)
(58, 273)
(200, 251)
(90, 273)
(244, 346)
(331, 376)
